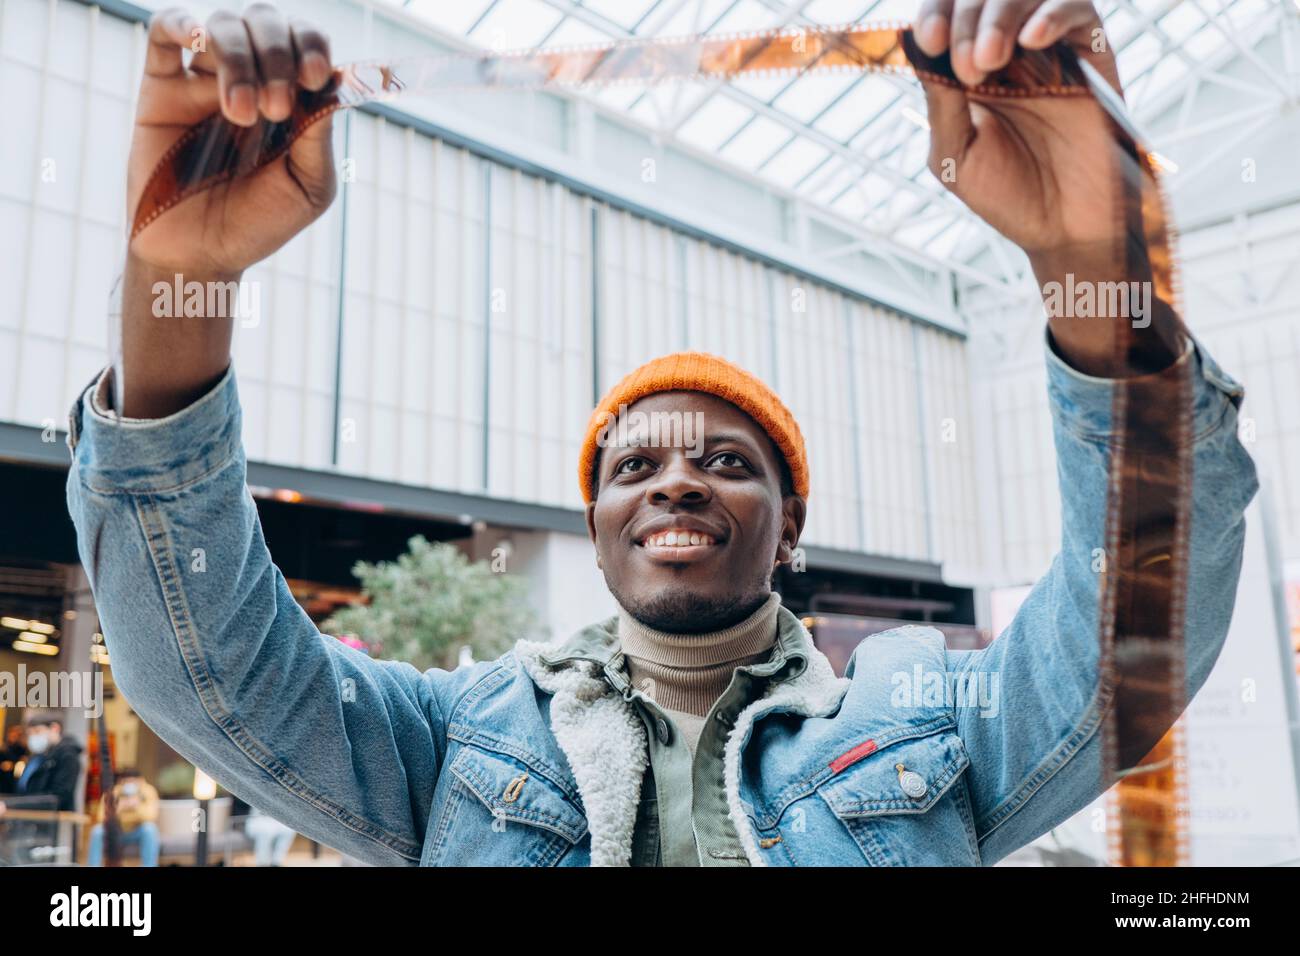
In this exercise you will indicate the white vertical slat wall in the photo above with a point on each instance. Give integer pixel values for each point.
(888, 418)
(949, 437)
(726, 307)
(1028, 496)
(69, 74)
(284, 350)
(813, 379)
(411, 406)
(540, 301)
(640, 305)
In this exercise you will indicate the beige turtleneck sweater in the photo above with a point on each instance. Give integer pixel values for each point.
(686, 673)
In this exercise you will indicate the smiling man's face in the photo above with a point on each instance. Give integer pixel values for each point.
(688, 535)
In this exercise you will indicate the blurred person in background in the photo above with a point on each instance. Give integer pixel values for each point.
(54, 764)
(271, 838)
(137, 814)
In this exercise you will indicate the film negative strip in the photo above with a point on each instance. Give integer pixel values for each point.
(216, 150)
(1142, 588)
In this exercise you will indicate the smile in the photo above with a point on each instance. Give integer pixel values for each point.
(677, 539)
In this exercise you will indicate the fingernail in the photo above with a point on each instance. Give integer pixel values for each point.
(1033, 31)
(243, 101)
(279, 102)
(962, 63)
(989, 49)
(934, 31)
(315, 69)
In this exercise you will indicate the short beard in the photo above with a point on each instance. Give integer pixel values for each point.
(680, 612)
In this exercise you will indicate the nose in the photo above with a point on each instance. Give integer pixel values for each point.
(678, 482)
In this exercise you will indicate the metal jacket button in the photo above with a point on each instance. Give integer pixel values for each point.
(913, 783)
(661, 730)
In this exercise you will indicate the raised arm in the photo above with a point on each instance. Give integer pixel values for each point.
(206, 641)
(245, 67)
(1035, 757)
(1047, 172)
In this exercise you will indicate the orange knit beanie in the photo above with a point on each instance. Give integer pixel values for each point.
(699, 372)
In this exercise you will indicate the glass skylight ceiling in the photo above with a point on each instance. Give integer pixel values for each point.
(854, 147)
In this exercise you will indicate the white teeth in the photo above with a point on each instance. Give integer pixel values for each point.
(678, 539)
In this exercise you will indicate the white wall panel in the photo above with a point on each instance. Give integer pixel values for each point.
(540, 359)
(68, 75)
(413, 333)
(949, 439)
(889, 417)
(640, 294)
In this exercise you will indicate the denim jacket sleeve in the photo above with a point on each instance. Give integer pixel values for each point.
(212, 651)
(1035, 760)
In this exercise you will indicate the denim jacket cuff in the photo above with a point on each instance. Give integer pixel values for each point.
(118, 454)
(1083, 403)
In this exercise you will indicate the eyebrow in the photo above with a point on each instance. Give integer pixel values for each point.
(739, 438)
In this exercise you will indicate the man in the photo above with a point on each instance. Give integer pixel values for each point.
(54, 762)
(699, 726)
(137, 815)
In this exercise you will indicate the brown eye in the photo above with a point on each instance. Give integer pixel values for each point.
(729, 459)
(622, 468)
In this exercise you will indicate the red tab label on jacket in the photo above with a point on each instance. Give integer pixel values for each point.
(853, 756)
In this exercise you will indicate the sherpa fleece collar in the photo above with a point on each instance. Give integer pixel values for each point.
(604, 739)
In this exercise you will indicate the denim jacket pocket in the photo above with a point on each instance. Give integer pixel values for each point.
(906, 804)
(498, 811)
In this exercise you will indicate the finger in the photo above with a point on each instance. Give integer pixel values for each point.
(1054, 20)
(951, 129)
(932, 20)
(169, 32)
(205, 64)
(276, 63)
(311, 162)
(995, 39)
(965, 22)
(313, 51)
(1078, 23)
(236, 68)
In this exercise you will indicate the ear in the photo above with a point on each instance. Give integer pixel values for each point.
(591, 528)
(793, 512)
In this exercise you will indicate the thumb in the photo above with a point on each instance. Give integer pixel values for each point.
(951, 128)
(311, 161)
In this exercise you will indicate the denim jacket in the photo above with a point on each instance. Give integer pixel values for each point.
(537, 758)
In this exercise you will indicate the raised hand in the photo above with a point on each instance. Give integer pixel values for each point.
(245, 66)
(1041, 171)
